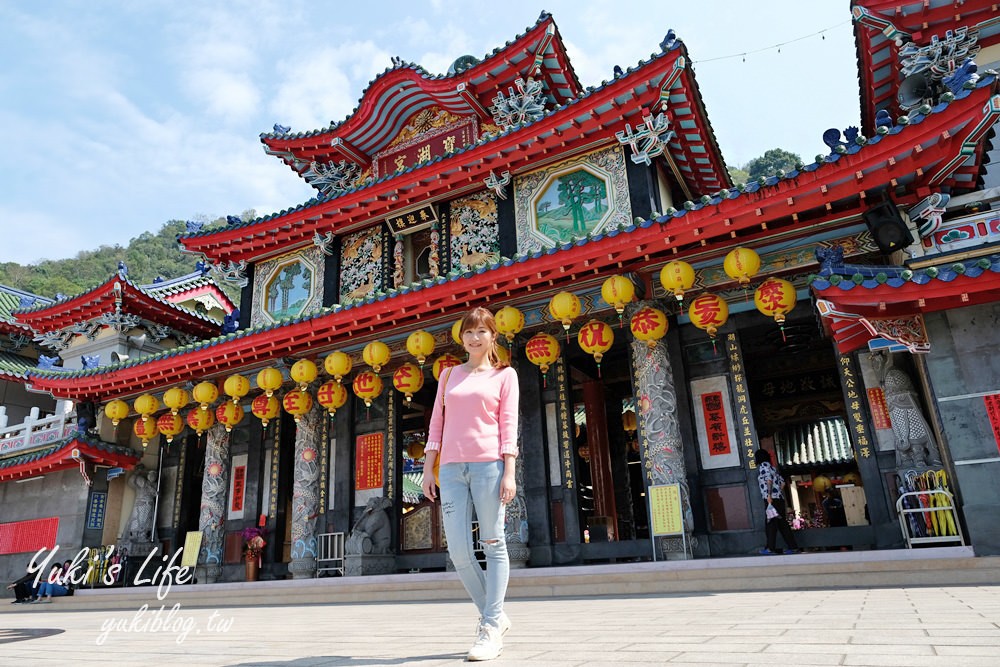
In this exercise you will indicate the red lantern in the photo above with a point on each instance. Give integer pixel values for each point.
(331, 395)
(408, 379)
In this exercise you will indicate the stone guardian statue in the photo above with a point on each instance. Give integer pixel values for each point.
(915, 444)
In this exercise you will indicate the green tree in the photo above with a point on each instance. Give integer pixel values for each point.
(770, 162)
(739, 176)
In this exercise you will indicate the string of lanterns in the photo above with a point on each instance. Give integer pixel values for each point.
(774, 298)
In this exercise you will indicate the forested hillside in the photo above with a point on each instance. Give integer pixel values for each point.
(147, 256)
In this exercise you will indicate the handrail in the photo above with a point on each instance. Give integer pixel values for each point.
(35, 431)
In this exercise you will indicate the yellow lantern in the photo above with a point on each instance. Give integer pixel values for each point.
(175, 398)
(741, 264)
(338, 364)
(146, 405)
(504, 354)
(229, 414)
(565, 307)
(616, 292)
(236, 387)
(542, 350)
(510, 322)
(709, 312)
(116, 411)
(649, 324)
(205, 394)
(265, 408)
(170, 424)
(408, 379)
(376, 354)
(367, 386)
(269, 379)
(596, 337)
(852, 478)
(420, 344)
(145, 430)
(303, 371)
(443, 362)
(821, 483)
(415, 450)
(775, 298)
(456, 332)
(677, 277)
(200, 419)
(629, 421)
(331, 395)
(297, 402)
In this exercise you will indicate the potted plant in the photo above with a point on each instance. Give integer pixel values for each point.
(253, 547)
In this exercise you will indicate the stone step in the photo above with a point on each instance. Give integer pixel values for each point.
(826, 570)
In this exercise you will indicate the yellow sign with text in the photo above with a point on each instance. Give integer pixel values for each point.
(665, 509)
(192, 545)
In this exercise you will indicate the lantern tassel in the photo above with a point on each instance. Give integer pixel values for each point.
(782, 327)
(715, 351)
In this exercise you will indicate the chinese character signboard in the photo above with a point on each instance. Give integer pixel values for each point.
(744, 418)
(880, 411)
(95, 510)
(850, 380)
(993, 413)
(404, 222)
(239, 484)
(718, 442)
(368, 461)
(426, 147)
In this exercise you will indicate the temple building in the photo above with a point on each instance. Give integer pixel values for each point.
(664, 322)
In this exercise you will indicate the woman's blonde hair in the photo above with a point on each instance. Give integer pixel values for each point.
(478, 317)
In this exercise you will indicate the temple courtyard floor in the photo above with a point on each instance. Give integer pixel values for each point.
(913, 626)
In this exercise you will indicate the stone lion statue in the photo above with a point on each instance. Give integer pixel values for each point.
(373, 531)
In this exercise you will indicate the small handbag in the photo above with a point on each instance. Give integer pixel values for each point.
(437, 461)
(771, 512)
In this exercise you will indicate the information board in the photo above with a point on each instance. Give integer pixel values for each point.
(665, 509)
(192, 545)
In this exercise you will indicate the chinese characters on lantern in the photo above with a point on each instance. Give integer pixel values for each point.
(880, 411)
(856, 420)
(993, 413)
(368, 461)
(715, 424)
(743, 417)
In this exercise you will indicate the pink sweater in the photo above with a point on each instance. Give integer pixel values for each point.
(481, 421)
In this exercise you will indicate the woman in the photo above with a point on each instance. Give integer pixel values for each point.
(473, 431)
(56, 585)
(771, 484)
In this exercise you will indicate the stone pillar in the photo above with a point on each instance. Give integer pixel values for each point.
(659, 430)
(305, 492)
(214, 488)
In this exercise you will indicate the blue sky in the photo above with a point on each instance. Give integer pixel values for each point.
(120, 116)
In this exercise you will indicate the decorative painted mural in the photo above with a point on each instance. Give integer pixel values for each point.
(475, 236)
(361, 264)
(571, 199)
(287, 286)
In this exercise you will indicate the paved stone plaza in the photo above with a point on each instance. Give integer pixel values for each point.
(948, 626)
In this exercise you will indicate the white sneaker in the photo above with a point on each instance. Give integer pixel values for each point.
(505, 624)
(489, 645)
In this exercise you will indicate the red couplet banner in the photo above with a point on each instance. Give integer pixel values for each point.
(368, 461)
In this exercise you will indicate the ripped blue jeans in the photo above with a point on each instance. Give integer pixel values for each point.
(465, 486)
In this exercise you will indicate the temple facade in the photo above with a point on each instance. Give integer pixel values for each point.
(665, 323)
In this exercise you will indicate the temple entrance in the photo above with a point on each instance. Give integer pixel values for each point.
(611, 489)
(800, 416)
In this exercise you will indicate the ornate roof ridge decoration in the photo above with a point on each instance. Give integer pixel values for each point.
(195, 242)
(111, 294)
(398, 64)
(884, 28)
(14, 366)
(66, 453)
(834, 273)
(717, 218)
